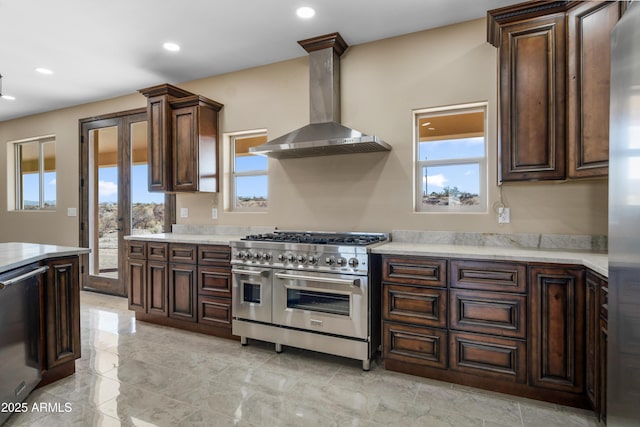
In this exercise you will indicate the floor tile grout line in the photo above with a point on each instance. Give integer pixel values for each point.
(521, 416)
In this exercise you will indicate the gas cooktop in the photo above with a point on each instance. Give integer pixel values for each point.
(319, 238)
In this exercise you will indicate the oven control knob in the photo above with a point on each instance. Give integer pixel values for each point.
(291, 258)
(341, 262)
(266, 256)
(257, 256)
(239, 255)
(353, 262)
(313, 260)
(242, 255)
(281, 257)
(302, 259)
(330, 260)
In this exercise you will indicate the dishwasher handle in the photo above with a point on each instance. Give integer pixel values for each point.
(24, 276)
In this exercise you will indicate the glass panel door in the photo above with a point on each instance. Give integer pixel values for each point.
(115, 201)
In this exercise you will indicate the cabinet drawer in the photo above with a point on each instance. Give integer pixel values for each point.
(415, 304)
(179, 252)
(489, 276)
(214, 255)
(415, 271)
(413, 344)
(137, 249)
(214, 311)
(489, 312)
(214, 281)
(157, 251)
(493, 357)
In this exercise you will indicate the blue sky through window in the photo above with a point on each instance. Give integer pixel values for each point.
(464, 176)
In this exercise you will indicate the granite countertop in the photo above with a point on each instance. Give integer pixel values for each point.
(596, 261)
(198, 239)
(15, 254)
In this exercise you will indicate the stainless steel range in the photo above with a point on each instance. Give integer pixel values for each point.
(314, 290)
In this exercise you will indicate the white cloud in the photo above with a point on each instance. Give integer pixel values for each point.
(436, 180)
(107, 188)
(469, 172)
(52, 182)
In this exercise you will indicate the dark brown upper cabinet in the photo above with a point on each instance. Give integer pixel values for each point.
(553, 88)
(183, 140)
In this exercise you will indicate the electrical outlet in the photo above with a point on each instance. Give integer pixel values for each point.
(504, 215)
(214, 213)
(184, 212)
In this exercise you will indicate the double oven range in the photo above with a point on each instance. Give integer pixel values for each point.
(314, 290)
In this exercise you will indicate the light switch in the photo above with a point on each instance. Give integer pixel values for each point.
(214, 213)
(184, 212)
(72, 212)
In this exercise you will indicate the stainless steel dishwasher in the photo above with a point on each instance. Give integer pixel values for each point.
(20, 352)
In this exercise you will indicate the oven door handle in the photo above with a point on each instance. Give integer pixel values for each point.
(261, 273)
(350, 282)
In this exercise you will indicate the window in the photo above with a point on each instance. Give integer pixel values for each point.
(451, 165)
(35, 181)
(249, 182)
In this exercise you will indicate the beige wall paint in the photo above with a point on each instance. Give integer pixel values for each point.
(382, 83)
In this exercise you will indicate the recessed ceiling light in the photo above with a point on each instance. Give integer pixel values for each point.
(305, 12)
(172, 47)
(9, 97)
(44, 70)
(431, 128)
(426, 124)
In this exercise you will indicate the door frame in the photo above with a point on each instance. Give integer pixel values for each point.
(123, 121)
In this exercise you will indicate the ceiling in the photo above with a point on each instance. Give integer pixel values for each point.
(103, 49)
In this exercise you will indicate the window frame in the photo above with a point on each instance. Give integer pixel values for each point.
(483, 195)
(234, 175)
(18, 184)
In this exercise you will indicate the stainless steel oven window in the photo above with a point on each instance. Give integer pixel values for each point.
(322, 302)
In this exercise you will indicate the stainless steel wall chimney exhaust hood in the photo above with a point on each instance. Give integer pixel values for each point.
(324, 135)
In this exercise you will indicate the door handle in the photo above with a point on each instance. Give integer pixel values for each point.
(250, 272)
(25, 276)
(349, 282)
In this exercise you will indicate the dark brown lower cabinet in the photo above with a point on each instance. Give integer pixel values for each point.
(157, 287)
(183, 292)
(214, 311)
(489, 356)
(137, 279)
(62, 308)
(512, 327)
(60, 321)
(557, 337)
(602, 374)
(181, 285)
(413, 344)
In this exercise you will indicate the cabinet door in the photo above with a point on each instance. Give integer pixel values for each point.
(557, 337)
(137, 284)
(415, 271)
(185, 149)
(62, 311)
(214, 255)
(159, 147)
(602, 380)
(214, 281)
(490, 357)
(214, 311)
(489, 276)
(589, 60)
(415, 304)
(182, 292)
(593, 332)
(413, 344)
(532, 99)
(157, 283)
(489, 312)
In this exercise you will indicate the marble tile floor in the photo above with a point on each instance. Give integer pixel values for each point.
(138, 374)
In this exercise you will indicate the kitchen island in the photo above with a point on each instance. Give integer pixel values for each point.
(59, 302)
